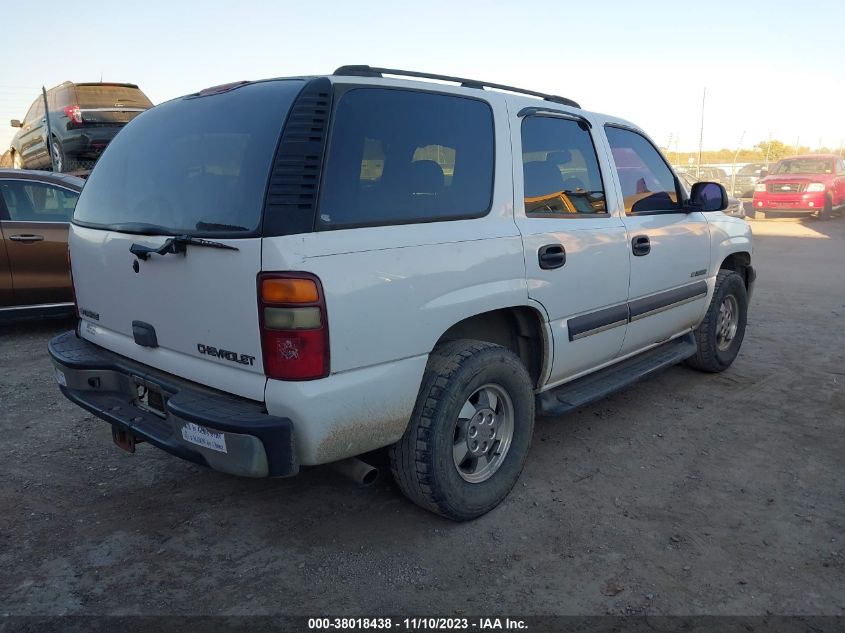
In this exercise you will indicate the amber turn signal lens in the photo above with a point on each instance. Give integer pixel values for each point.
(289, 291)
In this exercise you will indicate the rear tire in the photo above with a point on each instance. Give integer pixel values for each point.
(720, 334)
(59, 164)
(470, 432)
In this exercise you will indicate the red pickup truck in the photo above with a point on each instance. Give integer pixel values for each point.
(812, 184)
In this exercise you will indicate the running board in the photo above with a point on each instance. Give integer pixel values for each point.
(576, 394)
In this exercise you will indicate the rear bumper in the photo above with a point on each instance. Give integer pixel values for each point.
(226, 433)
(88, 142)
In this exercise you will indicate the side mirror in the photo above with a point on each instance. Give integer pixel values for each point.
(708, 196)
(764, 173)
(15, 123)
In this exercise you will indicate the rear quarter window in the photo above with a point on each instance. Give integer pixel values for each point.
(398, 156)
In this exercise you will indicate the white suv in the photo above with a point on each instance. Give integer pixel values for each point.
(283, 273)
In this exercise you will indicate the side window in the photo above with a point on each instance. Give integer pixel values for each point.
(62, 98)
(560, 168)
(37, 202)
(39, 109)
(399, 156)
(30, 114)
(648, 184)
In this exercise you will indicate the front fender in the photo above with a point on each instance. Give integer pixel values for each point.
(728, 236)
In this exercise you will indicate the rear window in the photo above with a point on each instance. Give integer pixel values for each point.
(99, 96)
(398, 156)
(195, 165)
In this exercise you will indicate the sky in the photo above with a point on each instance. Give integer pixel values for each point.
(769, 67)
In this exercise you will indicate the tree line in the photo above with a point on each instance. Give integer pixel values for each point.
(771, 150)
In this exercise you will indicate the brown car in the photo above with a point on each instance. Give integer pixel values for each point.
(35, 209)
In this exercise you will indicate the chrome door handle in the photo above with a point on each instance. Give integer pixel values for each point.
(26, 238)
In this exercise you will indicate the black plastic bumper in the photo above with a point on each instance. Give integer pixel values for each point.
(255, 443)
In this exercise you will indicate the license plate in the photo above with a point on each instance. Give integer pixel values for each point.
(203, 436)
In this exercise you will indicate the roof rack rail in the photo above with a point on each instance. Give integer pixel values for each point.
(369, 71)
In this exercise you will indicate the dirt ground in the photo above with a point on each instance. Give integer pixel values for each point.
(684, 494)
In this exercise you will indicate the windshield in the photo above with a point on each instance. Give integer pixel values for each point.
(750, 170)
(804, 166)
(194, 165)
(100, 96)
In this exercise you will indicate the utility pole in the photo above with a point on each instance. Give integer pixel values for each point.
(840, 147)
(701, 135)
(768, 149)
(49, 129)
(733, 168)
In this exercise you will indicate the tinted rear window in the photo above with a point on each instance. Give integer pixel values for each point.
(196, 165)
(398, 156)
(110, 97)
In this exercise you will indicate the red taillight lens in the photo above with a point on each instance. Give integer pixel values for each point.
(294, 326)
(74, 113)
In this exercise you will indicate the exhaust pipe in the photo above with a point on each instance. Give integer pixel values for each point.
(358, 471)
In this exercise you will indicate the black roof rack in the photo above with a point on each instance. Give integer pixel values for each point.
(369, 71)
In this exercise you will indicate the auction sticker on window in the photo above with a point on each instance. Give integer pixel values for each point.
(205, 437)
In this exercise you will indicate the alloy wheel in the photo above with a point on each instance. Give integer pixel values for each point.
(483, 433)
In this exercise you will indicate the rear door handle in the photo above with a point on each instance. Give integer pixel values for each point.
(26, 238)
(551, 256)
(641, 245)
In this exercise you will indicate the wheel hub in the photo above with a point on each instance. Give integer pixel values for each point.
(727, 323)
(481, 432)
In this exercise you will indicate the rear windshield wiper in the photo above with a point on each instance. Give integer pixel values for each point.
(177, 246)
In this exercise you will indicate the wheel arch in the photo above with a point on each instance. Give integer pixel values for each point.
(740, 263)
(519, 329)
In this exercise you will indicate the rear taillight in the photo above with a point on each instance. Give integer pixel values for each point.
(294, 326)
(74, 113)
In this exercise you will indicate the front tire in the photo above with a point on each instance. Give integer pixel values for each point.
(470, 432)
(827, 212)
(720, 334)
(17, 163)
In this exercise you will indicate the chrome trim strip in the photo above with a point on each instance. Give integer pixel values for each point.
(49, 183)
(38, 306)
(113, 109)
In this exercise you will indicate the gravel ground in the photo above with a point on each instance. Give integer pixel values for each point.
(684, 494)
